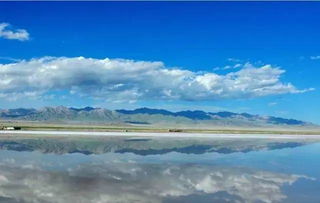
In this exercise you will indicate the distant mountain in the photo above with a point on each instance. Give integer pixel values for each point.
(146, 111)
(88, 108)
(15, 113)
(146, 116)
(201, 115)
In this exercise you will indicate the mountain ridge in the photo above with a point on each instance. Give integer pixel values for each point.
(144, 116)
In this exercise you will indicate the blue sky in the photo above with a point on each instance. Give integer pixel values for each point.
(213, 56)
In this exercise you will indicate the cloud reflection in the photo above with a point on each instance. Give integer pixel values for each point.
(136, 182)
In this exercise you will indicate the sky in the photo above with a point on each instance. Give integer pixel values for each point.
(256, 57)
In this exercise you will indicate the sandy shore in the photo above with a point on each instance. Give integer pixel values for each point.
(167, 135)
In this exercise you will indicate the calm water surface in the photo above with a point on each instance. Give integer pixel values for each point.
(136, 169)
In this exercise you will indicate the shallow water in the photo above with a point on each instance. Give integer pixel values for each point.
(137, 169)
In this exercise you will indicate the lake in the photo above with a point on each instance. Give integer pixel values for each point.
(155, 169)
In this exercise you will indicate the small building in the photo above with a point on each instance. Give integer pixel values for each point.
(175, 130)
(11, 128)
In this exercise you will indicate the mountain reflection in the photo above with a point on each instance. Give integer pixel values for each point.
(136, 182)
(144, 146)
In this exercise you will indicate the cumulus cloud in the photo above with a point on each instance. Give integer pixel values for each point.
(17, 34)
(133, 182)
(129, 80)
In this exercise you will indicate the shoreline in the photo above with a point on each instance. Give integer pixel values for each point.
(4, 133)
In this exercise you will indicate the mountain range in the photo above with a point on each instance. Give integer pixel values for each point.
(146, 116)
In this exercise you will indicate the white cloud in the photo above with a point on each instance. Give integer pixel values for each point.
(315, 57)
(272, 104)
(7, 33)
(128, 80)
(233, 60)
(227, 67)
(9, 59)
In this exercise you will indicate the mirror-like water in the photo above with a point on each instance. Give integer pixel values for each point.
(136, 169)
